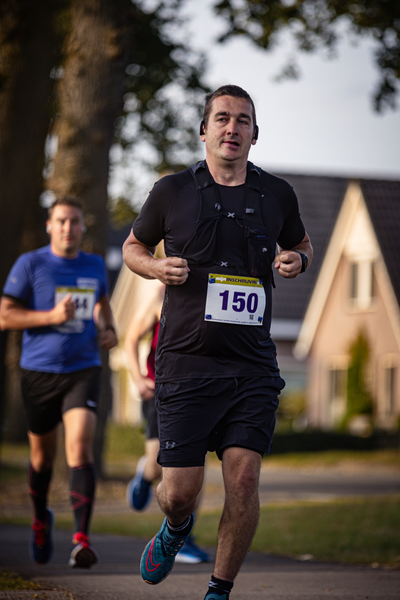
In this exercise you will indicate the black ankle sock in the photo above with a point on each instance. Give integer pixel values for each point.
(219, 586)
(39, 483)
(82, 488)
(181, 530)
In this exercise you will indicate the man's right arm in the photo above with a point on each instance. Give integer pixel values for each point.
(140, 259)
(14, 315)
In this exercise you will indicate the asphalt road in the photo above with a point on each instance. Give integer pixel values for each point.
(117, 576)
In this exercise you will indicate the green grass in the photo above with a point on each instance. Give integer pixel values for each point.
(123, 442)
(12, 473)
(355, 531)
(11, 581)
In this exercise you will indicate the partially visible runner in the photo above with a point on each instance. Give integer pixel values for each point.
(217, 378)
(138, 494)
(59, 296)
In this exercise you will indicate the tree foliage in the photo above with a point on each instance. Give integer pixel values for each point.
(319, 24)
(163, 99)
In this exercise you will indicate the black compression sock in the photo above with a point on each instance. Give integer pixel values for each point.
(39, 483)
(219, 586)
(181, 530)
(82, 489)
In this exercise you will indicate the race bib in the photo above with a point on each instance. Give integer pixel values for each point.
(84, 305)
(236, 300)
(82, 298)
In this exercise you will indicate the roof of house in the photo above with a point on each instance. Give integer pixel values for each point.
(320, 199)
(383, 202)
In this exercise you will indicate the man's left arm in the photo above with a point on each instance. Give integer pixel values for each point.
(289, 263)
(103, 318)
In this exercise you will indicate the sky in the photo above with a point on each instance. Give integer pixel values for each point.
(323, 123)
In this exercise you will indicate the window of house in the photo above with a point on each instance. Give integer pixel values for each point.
(362, 284)
(337, 394)
(354, 281)
(389, 381)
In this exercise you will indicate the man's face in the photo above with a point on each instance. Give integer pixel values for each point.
(66, 229)
(229, 133)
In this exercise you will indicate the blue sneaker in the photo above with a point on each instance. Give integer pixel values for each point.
(190, 553)
(215, 596)
(138, 492)
(41, 544)
(159, 555)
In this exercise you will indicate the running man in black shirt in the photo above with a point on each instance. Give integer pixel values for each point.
(217, 379)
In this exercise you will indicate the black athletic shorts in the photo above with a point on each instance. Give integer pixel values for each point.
(47, 396)
(150, 414)
(200, 415)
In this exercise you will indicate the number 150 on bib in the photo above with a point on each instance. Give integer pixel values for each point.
(235, 300)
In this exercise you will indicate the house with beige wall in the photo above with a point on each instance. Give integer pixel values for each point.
(129, 291)
(357, 292)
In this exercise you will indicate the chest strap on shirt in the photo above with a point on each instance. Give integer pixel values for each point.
(258, 253)
(211, 203)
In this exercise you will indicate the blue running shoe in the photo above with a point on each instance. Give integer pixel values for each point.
(41, 545)
(215, 596)
(190, 553)
(159, 555)
(138, 492)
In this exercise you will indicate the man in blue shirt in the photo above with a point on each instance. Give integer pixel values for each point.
(58, 296)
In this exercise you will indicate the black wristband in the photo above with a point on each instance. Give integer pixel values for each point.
(304, 260)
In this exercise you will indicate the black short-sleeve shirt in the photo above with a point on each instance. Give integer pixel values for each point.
(190, 346)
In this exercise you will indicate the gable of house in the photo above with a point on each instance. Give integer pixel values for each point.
(319, 199)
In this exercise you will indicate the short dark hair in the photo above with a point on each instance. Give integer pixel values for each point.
(65, 201)
(227, 90)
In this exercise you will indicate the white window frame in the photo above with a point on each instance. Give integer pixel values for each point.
(362, 283)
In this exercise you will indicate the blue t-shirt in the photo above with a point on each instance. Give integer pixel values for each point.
(39, 280)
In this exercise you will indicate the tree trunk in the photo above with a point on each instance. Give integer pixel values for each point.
(27, 56)
(90, 96)
(90, 100)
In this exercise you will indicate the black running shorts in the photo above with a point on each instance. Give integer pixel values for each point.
(47, 396)
(200, 415)
(150, 414)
